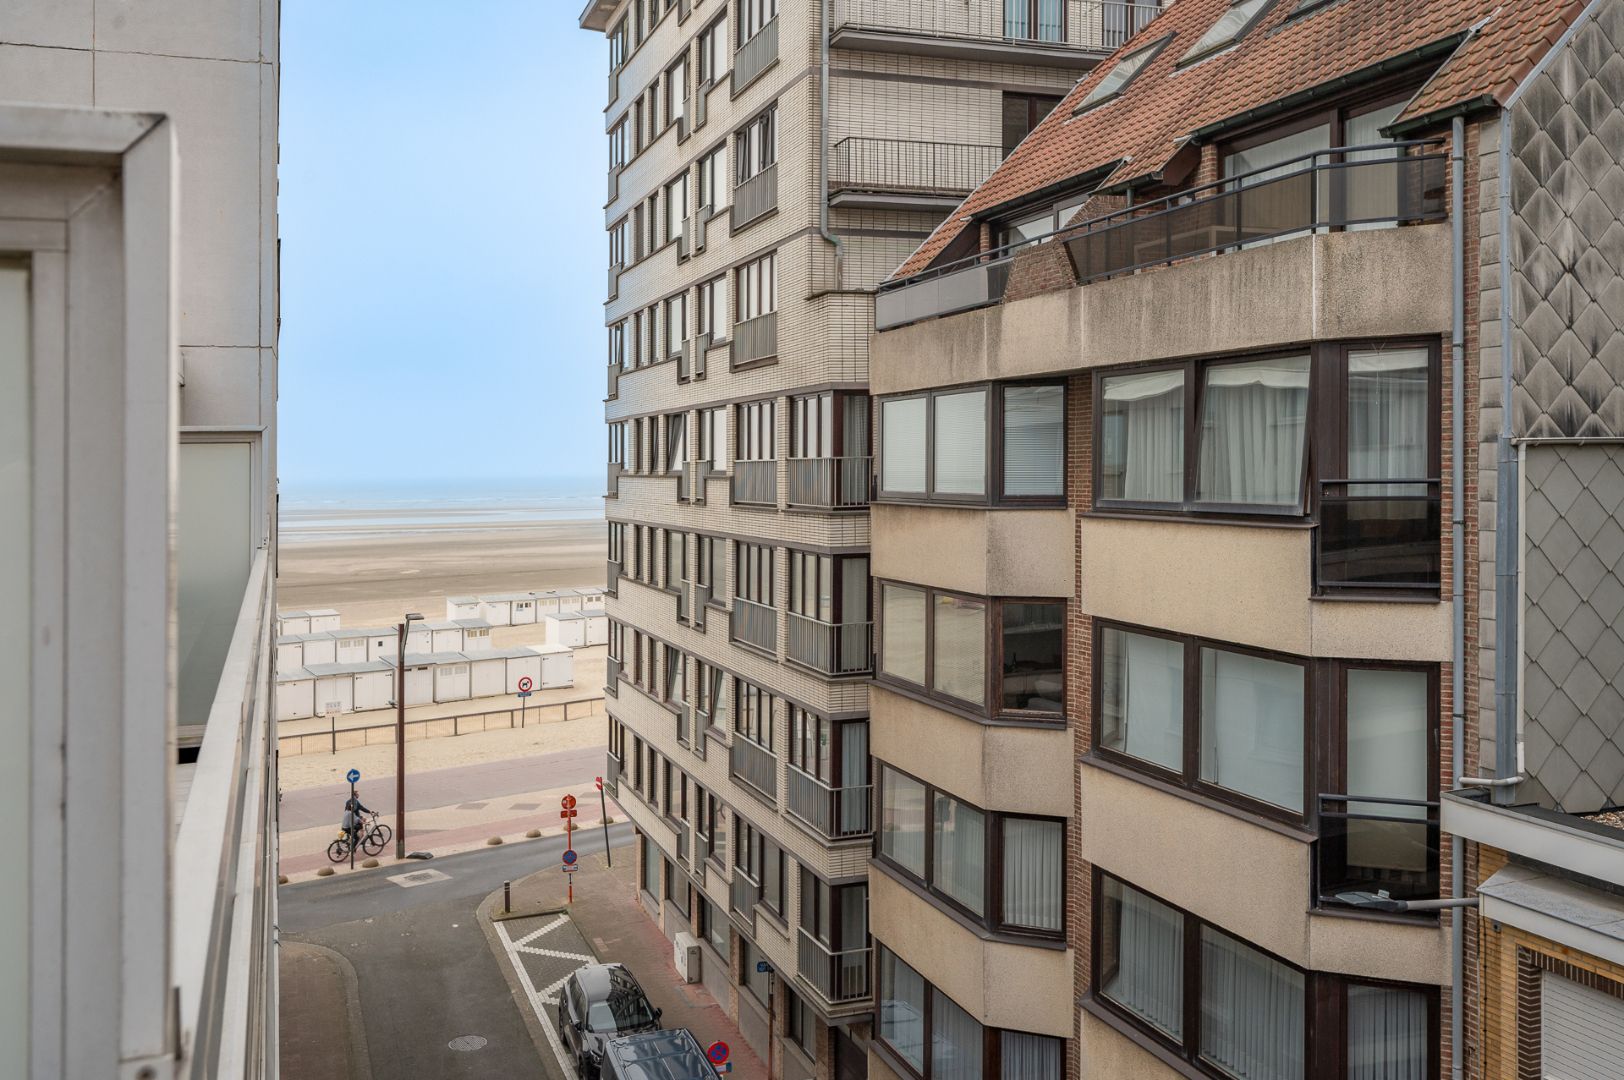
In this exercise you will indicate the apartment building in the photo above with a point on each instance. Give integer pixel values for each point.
(769, 164)
(1247, 528)
(138, 282)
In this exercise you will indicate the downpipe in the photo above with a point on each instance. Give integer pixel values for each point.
(823, 145)
(1457, 533)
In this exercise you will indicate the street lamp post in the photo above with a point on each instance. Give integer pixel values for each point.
(400, 736)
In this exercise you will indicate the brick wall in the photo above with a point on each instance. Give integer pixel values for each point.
(1079, 691)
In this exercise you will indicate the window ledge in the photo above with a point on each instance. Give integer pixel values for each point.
(1419, 596)
(1258, 521)
(1094, 760)
(1392, 918)
(979, 930)
(913, 693)
(963, 504)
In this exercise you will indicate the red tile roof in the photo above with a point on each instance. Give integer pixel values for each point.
(1279, 56)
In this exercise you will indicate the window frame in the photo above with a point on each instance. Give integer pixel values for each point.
(993, 432)
(1150, 51)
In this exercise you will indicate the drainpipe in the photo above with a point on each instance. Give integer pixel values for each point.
(1457, 533)
(823, 144)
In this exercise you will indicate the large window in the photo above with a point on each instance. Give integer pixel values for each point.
(758, 287)
(1232, 1010)
(1022, 113)
(713, 309)
(755, 148)
(676, 90)
(676, 207)
(1036, 20)
(713, 54)
(676, 323)
(936, 1040)
(713, 438)
(979, 444)
(1004, 871)
(753, 15)
(753, 573)
(713, 180)
(756, 431)
(998, 657)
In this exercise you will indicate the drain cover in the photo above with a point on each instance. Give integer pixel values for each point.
(467, 1042)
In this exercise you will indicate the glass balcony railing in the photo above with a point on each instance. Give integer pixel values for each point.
(831, 648)
(828, 483)
(840, 976)
(836, 813)
(1379, 536)
(1371, 845)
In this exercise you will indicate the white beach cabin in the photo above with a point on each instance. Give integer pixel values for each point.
(487, 673)
(461, 607)
(351, 645)
(497, 610)
(322, 620)
(289, 623)
(446, 637)
(476, 634)
(374, 685)
(319, 648)
(289, 652)
(547, 603)
(451, 677)
(557, 667)
(578, 629)
(295, 694)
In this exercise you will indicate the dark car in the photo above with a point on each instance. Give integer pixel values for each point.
(658, 1055)
(599, 1003)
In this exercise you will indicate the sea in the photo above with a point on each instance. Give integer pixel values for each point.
(370, 510)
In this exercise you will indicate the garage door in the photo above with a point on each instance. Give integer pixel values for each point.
(1581, 1031)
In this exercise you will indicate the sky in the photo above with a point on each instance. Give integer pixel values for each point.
(442, 185)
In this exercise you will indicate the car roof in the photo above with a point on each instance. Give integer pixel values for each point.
(598, 981)
(671, 1054)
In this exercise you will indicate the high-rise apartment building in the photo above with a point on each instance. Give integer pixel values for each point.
(1247, 540)
(769, 164)
(138, 335)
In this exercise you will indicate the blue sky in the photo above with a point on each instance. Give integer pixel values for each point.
(442, 185)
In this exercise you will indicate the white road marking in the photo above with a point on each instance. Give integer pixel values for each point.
(555, 954)
(536, 1002)
(534, 934)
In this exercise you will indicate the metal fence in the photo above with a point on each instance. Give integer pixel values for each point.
(829, 483)
(912, 165)
(336, 738)
(755, 196)
(1091, 25)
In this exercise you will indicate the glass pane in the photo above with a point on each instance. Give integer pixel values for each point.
(902, 446)
(960, 639)
(16, 632)
(1033, 867)
(215, 544)
(1034, 440)
(1226, 29)
(955, 1042)
(1372, 191)
(1387, 1034)
(902, 632)
(1142, 437)
(1387, 421)
(902, 823)
(960, 442)
(1388, 757)
(960, 848)
(1142, 957)
(1251, 1011)
(1142, 697)
(902, 1009)
(1252, 726)
(1033, 657)
(1252, 424)
(1028, 1057)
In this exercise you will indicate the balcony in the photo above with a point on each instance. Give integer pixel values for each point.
(611, 676)
(840, 977)
(614, 380)
(753, 765)
(991, 30)
(829, 483)
(615, 270)
(754, 483)
(1371, 845)
(756, 197)
(755, 56)
(755, 625)
(611, 775)
(612, 574)
(906, 174)
(742, 896)
(612, 488)
(1379, 536)
(1326, 192)
(830, 648)
(835, 813)
(755, 339)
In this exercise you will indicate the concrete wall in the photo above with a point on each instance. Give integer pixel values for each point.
(980, 551)
(1107, 1054)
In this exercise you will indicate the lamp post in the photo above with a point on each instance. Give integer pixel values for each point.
(400, 736)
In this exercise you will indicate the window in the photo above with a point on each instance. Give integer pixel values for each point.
(1039, 226)
(997, 444)
(617, 45)
(618, 234)
(902, 632)
(677, 893)
(676, 90)
(756, 431)
(713, 309)
(713, 51)
(756, 145)
(1004, 871)
(1022, 113)
(653, 224)
(1036, 20)
(802, 1024)
(758, 287)
(617, 443)
(617, 145)
(676, 558)
(713, 564)
(753, 713)
(1117, 79)
(713, 925)
(959, 647)
(1033, 676)
(832, 425)
(676, 207)
(1142, 697)
(713, 180)
(651, 867)
(1227, 30)
(753, 16)
(676, 323)
(676, 441)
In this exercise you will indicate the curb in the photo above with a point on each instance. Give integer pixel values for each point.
(360, 1055)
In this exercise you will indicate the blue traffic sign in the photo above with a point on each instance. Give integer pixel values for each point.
(569, 856)
(353, 775)
(525, 693)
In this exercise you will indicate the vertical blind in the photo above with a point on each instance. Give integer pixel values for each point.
(1028, 1057)
(960, 847)
(1387, 420)
(1251, 1011)
(902, 1009)
(1142, 968)
(1387, 1034)
(1034, 440)
(1033, 865)
(956, 1041)
(961, 443)
(902, 446)
(1252, 726)
(1142, 697)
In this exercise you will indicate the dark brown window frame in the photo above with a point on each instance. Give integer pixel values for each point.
(1325, 1017)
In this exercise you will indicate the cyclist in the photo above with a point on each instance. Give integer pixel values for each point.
(353, 820)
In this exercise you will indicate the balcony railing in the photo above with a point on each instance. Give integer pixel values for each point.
(684, 477)
(840, 977)
(696, 472)
(755, 625)
(755, 766)
(690, 361)
(611, 776)
(612, 574)
(832, 648)
(684, 833)
(1379, 535)
(755, 197)
(1369, 845)
(611, 676)
(701, 226)
(836, 813)
(742, 895)
(829, 483)
(755, 483)
(691, 604)
(755, 339)
(1094, 26)
(908, 165)
(685, 724)
(615, 270)
(614, 380)
(755, 55)
(612, 487)
(614, 182)
(1326, 191)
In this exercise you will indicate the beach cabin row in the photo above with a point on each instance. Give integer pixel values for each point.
(306, 622)
(326, 689)
(360, 644)
(576, 629)
(521, 608)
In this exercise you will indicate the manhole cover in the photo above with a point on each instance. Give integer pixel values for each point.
(467, 1042)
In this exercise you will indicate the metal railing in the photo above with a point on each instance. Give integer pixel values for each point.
(684, 478)
(832, 648)
(614, 380)
(1371, 844)
(1325, 191)
(337, 738)
(829, 483)
(839, 976)
(836, 813)
(755, 55)
(742, 895)
(755, 197)
(685, 724)
(873, 164)
(615, 270)
(1092, 25)
(701, 227)
(755, 483)
(1379, 535)
(755, 339)
(611, 676)
(612, 769)
(754, 765)
(754, 624)
(612, 484)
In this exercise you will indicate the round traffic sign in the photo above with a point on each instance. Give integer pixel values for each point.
(570, 856)
(567, 802)
(717, 1053)
(525, 684)
(353, 775)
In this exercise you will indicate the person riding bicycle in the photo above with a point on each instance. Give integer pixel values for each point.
(353, 821)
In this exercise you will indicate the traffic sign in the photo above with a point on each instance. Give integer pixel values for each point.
(567, 802)
(570, 856)
(717, 1053)
(353, 775)
(524, 693)
(567, 813)
(525, 684)
(569, 869)
(599, 781)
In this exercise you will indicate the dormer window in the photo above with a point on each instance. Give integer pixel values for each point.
(1227, 30)
(1117, 79)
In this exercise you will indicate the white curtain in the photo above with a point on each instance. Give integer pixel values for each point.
(1034, 440)
(1142, 707)
(1388, 736)
(902, 828)
(1372, 191)
(902, 446)
(1149, 977)
(902, 632)
(1387, 1034)
(1028, 1057)
(1252, 726)
(955, 1041)
(960, 438)
(1253, 418)
(1251, 1011)
(1033, 865)
(902, 1009)
(1143, 445)
(961, 648)
(854, 777)
(1387, 420)
(960, 848)
(1017, 23)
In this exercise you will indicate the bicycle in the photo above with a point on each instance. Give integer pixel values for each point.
(373, 841)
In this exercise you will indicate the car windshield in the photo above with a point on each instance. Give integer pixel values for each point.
(625, 1007)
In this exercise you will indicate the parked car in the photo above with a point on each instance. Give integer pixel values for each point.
(657, 1055)
(601, 1003)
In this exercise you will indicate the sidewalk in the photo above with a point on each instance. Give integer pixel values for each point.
(321, 1035)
